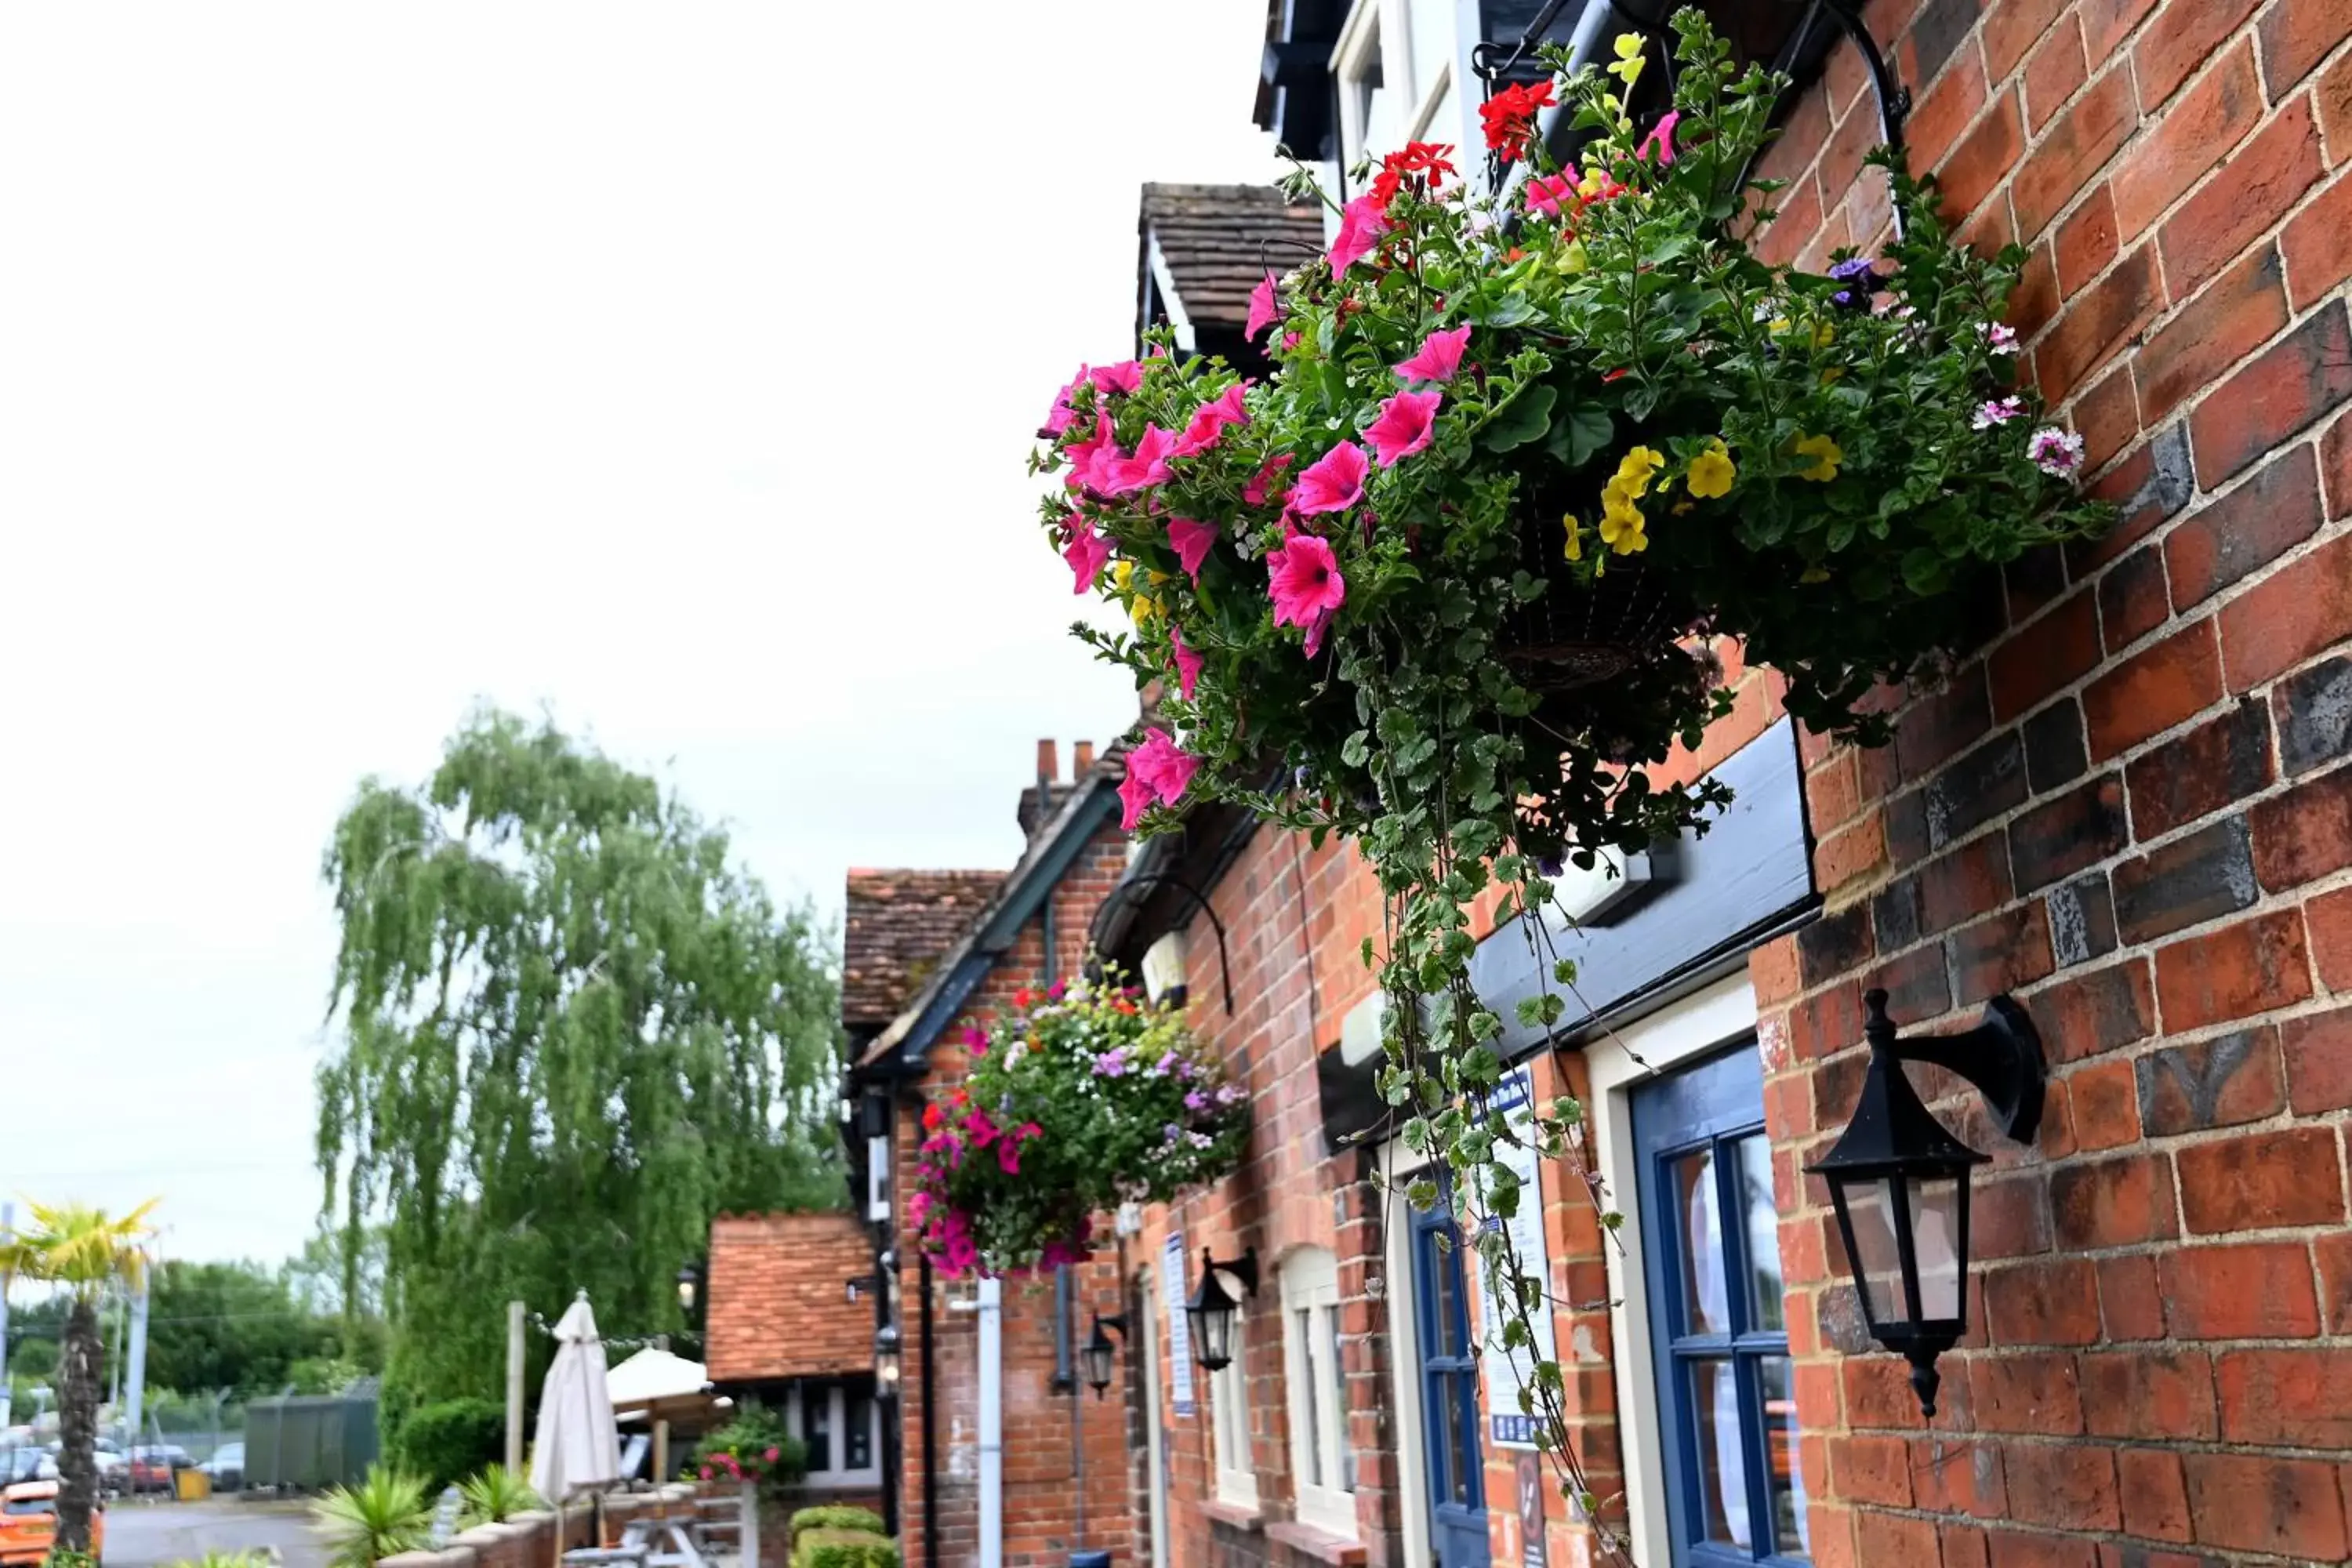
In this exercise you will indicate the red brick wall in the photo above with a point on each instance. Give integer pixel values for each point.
(2129, 809)
(780, 1304)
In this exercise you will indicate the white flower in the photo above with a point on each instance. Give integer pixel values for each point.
(1999, 338)
(2000, 411)
(2055, 451)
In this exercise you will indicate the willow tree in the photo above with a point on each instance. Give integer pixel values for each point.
(570, 1034)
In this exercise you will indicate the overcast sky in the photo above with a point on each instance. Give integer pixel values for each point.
(670, 367)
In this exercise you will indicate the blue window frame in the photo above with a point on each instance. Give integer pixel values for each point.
(1449, 1389)
(1735, 1491)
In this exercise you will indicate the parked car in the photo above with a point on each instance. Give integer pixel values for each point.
(226, 1468)
(29, 1524)
(154, 1466)
(27, 1463)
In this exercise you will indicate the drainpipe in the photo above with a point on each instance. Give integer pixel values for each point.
(930, 1429)
(992, 1424)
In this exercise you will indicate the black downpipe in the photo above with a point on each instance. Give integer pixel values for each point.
(886, 1304)
(930, 1433)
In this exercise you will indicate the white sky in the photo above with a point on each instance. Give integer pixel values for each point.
(670, 367)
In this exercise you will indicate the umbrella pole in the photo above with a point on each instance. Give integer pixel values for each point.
(661, 1467)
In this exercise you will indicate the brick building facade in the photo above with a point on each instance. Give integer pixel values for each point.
(2129, 807)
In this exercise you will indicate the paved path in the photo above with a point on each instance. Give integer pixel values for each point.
(150, 1534)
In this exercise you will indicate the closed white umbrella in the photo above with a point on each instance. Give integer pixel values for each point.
(577, 1445)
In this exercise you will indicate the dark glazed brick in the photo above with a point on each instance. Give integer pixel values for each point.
(2082, 921)
(1894, 915)
(2132, 598)
(1940, 26)
(2248, 529)
(1835, 943)
(1958, 886)
(2315, 715)
(1906, 828)
(2203, 877)
(1916, 984)
(2000, 952)
(2211, 1083)
(2221, 762)
(2091, 1015)
(2054, 753)
(2145, 489)
(1974, 790)
(2058, 837)
(1939, 726)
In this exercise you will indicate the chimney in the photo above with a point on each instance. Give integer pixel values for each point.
(1082, 758)
(1049, 764)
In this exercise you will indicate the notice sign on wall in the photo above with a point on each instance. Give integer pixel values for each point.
(1507, 1426)
(1180, 1327)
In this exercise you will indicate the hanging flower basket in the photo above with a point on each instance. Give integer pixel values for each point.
(1079, 1099)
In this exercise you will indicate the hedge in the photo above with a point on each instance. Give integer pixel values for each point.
(838, 1516)
(844, 1549)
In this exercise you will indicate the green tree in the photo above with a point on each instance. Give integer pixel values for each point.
(83, 1253)
(572, 1034)
(227, 1325)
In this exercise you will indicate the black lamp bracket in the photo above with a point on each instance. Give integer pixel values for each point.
(1114, 1322)
(1244, 1268)
(2002, 1056)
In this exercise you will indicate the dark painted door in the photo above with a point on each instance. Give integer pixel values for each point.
(1449, 1392)
(1711, 1232)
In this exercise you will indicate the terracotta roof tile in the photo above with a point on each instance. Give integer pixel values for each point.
(895, 926)
(780, 1303)
(1219, 240)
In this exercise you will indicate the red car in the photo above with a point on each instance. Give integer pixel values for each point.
(152, 1467)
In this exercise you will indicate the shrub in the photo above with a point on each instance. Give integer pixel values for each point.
(441, 1442)
(383, 1516)
(754, 1447)
(69, 1559)
(844, 1549)
(222, 1560)
(494, 1496)
(834, 1515)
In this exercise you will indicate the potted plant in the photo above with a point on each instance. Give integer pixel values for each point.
(1080, 1097)
(1450, 580)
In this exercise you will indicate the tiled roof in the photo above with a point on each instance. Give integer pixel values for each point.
(1219, 240)
(780, 1303)
(894, 926)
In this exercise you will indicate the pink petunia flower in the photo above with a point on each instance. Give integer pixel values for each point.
(1662, 137)
(1087, 552)
(1262, 490)
(1063, 415)
(1119, 476)
(1439, 357)
(1191, 541)
(1167, 767)
(1291, 340)
(1125, 376)
(1304, 584)
(1187, 663)
(1008, 1157)
(1405, 424)
(1333, 482)
(1089, 455)
(1552, 194)
(1208, 424)
(772, 1454)
(1361, 224)
(1264, 311)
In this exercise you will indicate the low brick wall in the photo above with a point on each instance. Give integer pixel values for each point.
(527, 1541)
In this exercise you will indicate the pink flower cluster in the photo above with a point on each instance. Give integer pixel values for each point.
(1157, 770)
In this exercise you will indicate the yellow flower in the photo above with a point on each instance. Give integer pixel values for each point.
(1815, 574)
(1826, 457)
(1621, 529)
(1144, 608)
(1711, 472)
(1823, 334)
(1572, 259)
(1634, 473)
(1122, 575)
(1627, 66)
(1574, 549)
(1778, 324)
(1831, 376)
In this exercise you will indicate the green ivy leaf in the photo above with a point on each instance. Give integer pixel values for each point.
(1522, 420)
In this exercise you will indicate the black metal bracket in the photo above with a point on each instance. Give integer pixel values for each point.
(1200, 902)
(2002, 1056)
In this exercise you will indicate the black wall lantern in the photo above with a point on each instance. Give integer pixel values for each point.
(886, 1361)
(689, 1289)
(1900, 1180)
(1097, 1352)
(1214, 1307)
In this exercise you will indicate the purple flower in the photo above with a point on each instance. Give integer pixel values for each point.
(2054, 451)
(1856, 269)
(1998, 338)
(2000, 411)
(1196, 1101)
(1231, 1094)
(1112, 1063)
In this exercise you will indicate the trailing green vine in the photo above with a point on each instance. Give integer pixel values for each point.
(1449, 581)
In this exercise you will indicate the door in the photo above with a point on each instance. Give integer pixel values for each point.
(1449, 1392)
(1711, 1234)
(1155, 1440)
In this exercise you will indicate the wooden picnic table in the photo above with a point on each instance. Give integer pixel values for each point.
(646, 1543)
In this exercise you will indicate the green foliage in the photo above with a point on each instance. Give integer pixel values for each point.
(843, 1549)
(60, 1558)
(754, 1447)
(387, 1513)
(572, 1034)
(231, 1326)
(438, 1443)
(1079, 1098)
(836, 1516)
(224, 1560)
(495, 1495)
(1492, 639)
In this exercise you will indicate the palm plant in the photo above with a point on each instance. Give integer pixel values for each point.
(84, 1252)
(382, 1517)
(496, 1495)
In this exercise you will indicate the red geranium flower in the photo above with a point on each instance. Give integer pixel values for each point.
(1415, 158)
(1510, 117)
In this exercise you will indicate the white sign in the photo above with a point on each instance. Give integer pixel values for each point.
(1506, 1427)
(1180, 1327)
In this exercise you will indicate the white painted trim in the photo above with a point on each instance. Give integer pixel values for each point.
(1155, 1436)
(1166, 282)
(1696, 1026)
(1316, 1407)
(1404, 1353)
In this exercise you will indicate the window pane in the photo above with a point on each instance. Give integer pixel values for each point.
(1782, 1469)
(1766, 1305)
(1308, 1400)
(858, 1433)
(1722, 1470)
(1335, 1390)
(1870, 1206)
(1446, 1267)
(1935, 1244)
(1460, 1412)
(1431, 22)
(816, 1426)
(1706, 1307)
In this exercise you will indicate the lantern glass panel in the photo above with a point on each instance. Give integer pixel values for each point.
(1870, 1206)
(1935, 1242)
(1213, 1331)
(1098, 1359)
